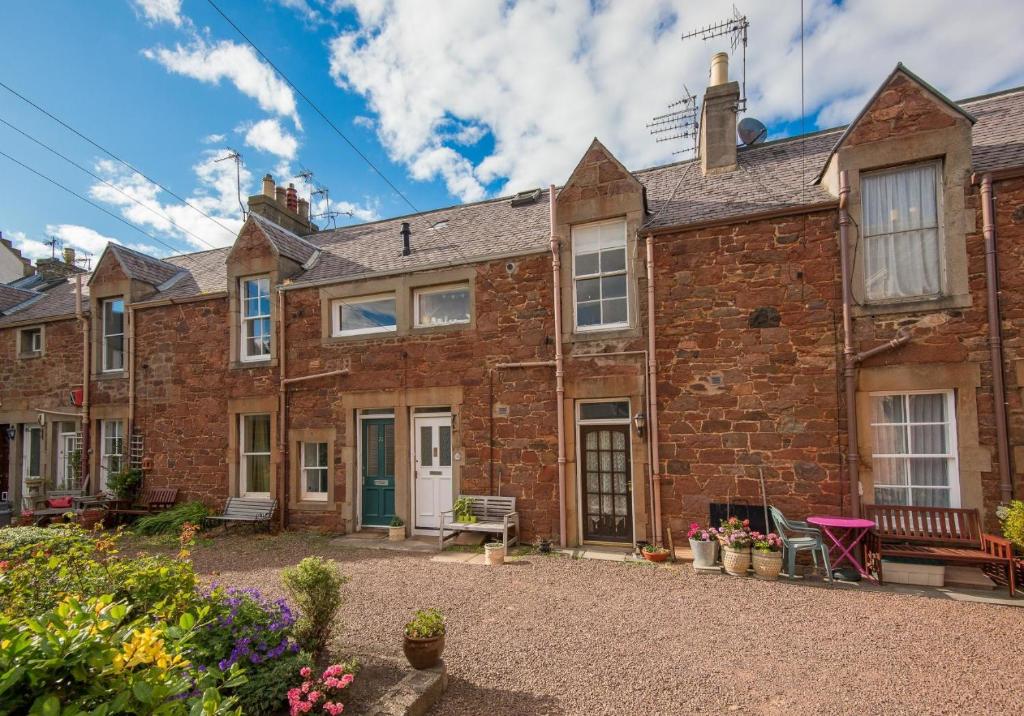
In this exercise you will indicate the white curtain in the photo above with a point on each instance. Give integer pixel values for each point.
(901, 235)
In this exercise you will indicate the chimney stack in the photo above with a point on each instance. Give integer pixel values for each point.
(304, 209)
(280, 196)
(718, 119)
(69, 256)
(293, 199)
(268, 186)
(406, 247)
(283, 207)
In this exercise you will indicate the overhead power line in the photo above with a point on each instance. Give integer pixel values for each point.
(113, 156)
(90, 202)
(109, 184)
(312, 104)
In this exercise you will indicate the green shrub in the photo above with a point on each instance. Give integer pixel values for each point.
(315, 585)
(94, 656)
(426, 623)
(125, 483)
(53, 539)
(170, 521)
(1012, 517)
(265, 692)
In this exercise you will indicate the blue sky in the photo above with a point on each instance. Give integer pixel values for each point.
(453, 101)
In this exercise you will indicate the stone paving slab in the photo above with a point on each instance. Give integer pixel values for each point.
(363, 540)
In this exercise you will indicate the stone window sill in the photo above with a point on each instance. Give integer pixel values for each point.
(312, 506)
(927, 306)
(245, 365)
(111, 375)
(602, 335)
(30, 356)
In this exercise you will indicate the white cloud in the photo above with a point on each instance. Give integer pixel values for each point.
(236, 63)
(544, 78)
(81, 238)
(156, 11)
(30, 248)
(363, 121)
(214, 138)
(268, 136)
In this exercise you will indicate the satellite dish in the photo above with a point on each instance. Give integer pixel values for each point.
(751, 131)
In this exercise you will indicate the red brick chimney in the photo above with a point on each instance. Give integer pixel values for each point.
(293, 199)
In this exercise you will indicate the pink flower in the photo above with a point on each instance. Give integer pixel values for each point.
(294, 694)
(314, 696)
(305, 671)
(306, 686)
(346, 680)
(332, 670)
(333, 708)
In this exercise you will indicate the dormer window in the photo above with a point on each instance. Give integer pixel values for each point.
(113, 335)
(902, 243)
(255, 312)
(599, 275)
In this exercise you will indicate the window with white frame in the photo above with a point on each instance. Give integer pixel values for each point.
(254, 458)
(314, 471)
(914, 454)
(441, 305)
(111, 449)
(31, 341)
(113, 334)
(255, 311)
(599, 275)
(32, 457)
(365, 314)
(901, 230)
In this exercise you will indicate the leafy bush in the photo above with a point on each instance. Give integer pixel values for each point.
(53, 539)
(125, 483)
(397, 521)
(425, 624)
(264, 693)
(93, 656)
(171, 521)
(1012, 517)
(315, 585)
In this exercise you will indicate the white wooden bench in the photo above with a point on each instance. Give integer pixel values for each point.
(252, 510)
(493, 513)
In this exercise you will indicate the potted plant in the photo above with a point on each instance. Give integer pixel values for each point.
(767, 557)
(396, 530)
(734, 536)
(703, 544)
(424, 638)
(654, 553)
(544, 545)
(461, 509)
(1012, 518)
(494, 553)
(125, 483)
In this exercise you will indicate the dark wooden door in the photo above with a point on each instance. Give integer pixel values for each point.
(607, 483)
(378, 471)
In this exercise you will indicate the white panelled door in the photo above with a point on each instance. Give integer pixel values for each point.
(432, 459)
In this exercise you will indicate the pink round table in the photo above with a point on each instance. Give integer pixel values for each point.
(846, 534)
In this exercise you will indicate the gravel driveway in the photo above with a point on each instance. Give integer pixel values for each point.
(552, 635)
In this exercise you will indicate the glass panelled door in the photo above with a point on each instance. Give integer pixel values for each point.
(378, 469)
(432, 438)
(607, 486)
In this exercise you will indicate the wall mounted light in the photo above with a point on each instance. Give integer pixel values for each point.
(640, 422)
(12, 432)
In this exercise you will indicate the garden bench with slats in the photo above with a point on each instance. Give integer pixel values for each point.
(943, 534)
(494, 514)
(251, 510)
(153, 499)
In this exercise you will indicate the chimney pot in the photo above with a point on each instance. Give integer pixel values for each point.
(719, 69)
(293, 199)
(268, 186)
(280, 196)
(304, 209)
(69, 256)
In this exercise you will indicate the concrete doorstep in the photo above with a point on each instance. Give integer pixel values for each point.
(414, 695)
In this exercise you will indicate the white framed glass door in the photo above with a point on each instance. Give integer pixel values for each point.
(67, 472)
(254, 462)
(111, 449)
(432, 469)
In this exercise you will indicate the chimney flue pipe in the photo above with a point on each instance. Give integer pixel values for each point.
(719, 69)
(268, 186)
(406, 233)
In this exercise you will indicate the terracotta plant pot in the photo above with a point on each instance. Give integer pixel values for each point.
(494, 554)
(396, 534)
(767, 565)
(26, 520)
(704, 553)
(736, 561)
(90, 518)
(654, 556)
(423, 653)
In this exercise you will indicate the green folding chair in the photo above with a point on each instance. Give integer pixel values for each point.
(804, 537)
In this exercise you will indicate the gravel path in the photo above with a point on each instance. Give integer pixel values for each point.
(551, 635)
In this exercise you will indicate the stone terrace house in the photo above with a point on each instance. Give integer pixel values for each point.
(505, 347)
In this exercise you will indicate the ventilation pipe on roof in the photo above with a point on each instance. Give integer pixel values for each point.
(268, 186)
(719, 69)
(406, 233)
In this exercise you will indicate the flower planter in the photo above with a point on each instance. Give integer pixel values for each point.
(26, 519)
(704, 553)
(423, 653)
(736, 561)
(494, 554)
(396, 534)
(88, 519)
(655, 556)
(767, 565)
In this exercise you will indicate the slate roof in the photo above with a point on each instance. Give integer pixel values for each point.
(288, 244)
(772, 176)
(10, 296)
(57, 301)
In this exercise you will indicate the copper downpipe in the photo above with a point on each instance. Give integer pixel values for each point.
(652, 391)
(79, 313)
(995, 338)
(556, 274)
(282, 440)
(849, 354)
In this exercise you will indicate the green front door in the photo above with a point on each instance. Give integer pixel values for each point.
(378, 471)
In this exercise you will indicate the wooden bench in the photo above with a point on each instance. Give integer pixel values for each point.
(153, 499)
(942, 534)
(494, 514)
(251, 510)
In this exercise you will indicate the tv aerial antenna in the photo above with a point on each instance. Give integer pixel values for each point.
(735, 28)
(53, 243)
(321, 191)
(237, 158)
(680, 122)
